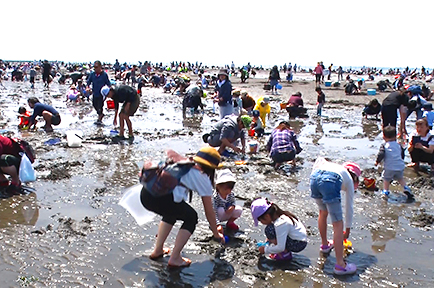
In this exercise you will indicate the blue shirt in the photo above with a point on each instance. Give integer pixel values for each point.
(98, 81)
(429, 115)
(39, 108)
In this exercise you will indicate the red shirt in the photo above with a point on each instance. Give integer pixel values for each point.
(7, 147)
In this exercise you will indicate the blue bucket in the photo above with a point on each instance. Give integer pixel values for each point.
(278, 86)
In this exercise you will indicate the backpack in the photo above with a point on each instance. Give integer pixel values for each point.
(25, 147)
(162, 178)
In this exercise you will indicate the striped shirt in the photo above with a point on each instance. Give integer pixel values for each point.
(224, 203)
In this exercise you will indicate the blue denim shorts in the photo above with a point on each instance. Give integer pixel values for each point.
(326, 185)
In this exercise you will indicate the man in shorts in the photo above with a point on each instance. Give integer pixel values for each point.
(127, 95)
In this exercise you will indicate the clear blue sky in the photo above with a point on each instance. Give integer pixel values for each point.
(381, 33)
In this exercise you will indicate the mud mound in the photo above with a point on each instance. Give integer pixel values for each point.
(422, 219)
(58, 171)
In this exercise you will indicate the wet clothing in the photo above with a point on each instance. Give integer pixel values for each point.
(418, 155)
(283, 145)
(390, 106)
(98, 81)
(39, 108)
(393, 155)
(291, 237)
(226, 128)
(326, 182)
(172, 206)
(126, 94)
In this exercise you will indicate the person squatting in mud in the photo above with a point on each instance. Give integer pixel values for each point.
(285, 233)
(227, 131)
(283, 145)
(173, 206)
(224, 201)
(50, 115)
(127, 95)
(421, 146)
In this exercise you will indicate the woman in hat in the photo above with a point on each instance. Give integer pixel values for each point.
(326, 182)
(173, 206)
(223, 88)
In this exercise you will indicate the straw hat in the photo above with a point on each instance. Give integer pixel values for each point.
(208, 156)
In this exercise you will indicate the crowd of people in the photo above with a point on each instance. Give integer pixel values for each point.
(241, 117)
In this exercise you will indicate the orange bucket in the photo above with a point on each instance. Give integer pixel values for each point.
(283, 106)
(110, 104)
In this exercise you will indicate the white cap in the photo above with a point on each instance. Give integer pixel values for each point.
(224, 176)
(105, 90)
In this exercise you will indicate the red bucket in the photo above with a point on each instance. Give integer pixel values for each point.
(110, 104)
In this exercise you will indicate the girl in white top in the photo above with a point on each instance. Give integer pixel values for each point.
(173, 206)
(326, 183)
(285, 233)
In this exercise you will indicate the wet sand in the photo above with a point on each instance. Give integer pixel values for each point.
(72, 232)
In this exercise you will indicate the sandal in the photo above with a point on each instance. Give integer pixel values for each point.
(165, 252)
(281, 256)
(327, 248)
(349, 269)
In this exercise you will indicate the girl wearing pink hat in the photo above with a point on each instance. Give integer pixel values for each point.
(285, 233)
(326, 182)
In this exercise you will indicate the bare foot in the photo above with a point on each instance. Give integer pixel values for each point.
(158, 254)
(181, 262)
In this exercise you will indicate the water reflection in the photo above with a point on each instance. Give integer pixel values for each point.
(370, 129)
(319, 132)
(383, 230)
(19, 210)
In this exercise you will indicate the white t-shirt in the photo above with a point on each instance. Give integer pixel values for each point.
(194, 180)
(347, 185)
(284, 227)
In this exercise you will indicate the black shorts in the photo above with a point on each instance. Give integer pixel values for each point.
(55, 120)
(169, 210)
(418, 155)
(7, 160)
(133, 106)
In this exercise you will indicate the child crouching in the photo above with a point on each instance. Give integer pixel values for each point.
(224, 201)
(285, 233)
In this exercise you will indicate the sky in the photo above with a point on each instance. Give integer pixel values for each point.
(380, 33)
